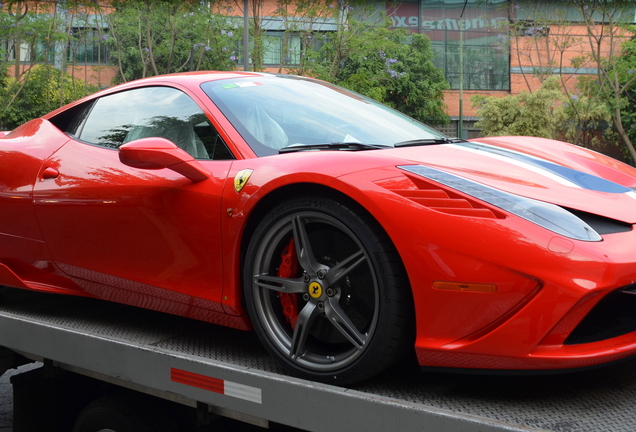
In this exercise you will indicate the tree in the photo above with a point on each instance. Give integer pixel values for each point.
(257, 34)
(82, 52)
(32, 33)
(546, 46)
(151, 38)
(595, 29)
(540, 114)
(390, 66)
(542, 44)
(300, 18)
(606, 27)
(39, 93)
(626, 67)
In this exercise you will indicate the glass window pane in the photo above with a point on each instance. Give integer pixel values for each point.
(468, 34)
(86, 47)
(272, 112)
(271, 49)
(150, 112)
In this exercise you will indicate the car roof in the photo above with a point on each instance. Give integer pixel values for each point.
(186, 79)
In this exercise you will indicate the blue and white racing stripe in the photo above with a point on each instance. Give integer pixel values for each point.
(558, 173)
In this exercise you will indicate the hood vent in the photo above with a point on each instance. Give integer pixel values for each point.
(436, 198)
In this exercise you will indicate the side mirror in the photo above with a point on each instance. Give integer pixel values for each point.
(158, 153)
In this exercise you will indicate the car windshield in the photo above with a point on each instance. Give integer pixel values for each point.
(273, 112)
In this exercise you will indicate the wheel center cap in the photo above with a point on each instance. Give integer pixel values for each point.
(315, 290)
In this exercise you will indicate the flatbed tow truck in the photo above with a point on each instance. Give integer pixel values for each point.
(99, 357)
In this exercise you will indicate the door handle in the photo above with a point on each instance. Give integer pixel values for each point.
(49, 173)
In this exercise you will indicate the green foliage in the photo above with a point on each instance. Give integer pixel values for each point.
(390, 66)
(149, 37)
(154, 38)
(37, 34)
(548, 113)
(626, 67)
(607, 26)
(301, 17)
(590, 116)
(38, 92)
(36, 30)
(572, 35)
(539, 114)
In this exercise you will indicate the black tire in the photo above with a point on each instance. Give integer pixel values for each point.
(353, 302)
(123, 412)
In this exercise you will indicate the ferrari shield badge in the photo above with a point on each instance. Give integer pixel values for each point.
(241, 178)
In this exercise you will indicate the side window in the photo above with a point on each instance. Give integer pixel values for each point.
(152, 112)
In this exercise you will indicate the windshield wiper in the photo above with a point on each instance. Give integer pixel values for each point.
(347, 146)
(428, 141)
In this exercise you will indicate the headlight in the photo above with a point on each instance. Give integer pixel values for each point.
(546, 215)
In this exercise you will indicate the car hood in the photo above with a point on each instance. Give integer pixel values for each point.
(560, 181)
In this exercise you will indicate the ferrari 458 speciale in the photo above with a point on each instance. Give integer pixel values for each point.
(344, 233)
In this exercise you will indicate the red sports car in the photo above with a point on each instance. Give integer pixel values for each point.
(341, 231)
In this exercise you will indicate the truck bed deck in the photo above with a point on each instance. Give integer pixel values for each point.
(193, 362)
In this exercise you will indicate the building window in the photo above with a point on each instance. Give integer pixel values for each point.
(486, 65)
(473, 34)
(38, 52)
(281, 48)
(86, 47)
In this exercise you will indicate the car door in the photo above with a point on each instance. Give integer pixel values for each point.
(137, 233)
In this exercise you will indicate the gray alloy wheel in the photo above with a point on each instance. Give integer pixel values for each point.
(313, 291)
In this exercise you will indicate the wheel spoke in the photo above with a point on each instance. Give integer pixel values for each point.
(304, 250)
(280, 284)
(312, 288)
(344, 267)
(301, 332)
(343, 324)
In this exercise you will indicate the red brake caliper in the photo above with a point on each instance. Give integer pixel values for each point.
(289, 268)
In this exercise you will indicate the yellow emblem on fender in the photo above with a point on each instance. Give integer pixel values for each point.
(241, 178)
(315, 290)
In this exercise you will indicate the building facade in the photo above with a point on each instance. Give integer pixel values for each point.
(485, 47)
(502, 47)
